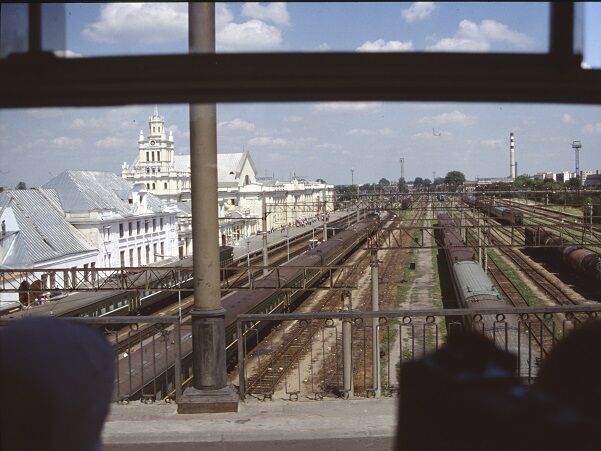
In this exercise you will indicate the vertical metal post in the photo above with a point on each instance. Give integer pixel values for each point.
(264, 225)
(479, 239)
(248, 259)
(178, 360)
(375, 305)
(210, 391)
(288, 244)
(486, 234)
(462, 224)
(179, 295)
(325, 229)
(35, 27)
(347, 355)
(241, 363)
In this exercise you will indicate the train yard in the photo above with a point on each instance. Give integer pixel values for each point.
(478, 253)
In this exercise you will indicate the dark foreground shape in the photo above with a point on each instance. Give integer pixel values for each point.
(466, 397)
(57, 380)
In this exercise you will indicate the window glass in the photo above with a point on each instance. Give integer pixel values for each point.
(151, 28)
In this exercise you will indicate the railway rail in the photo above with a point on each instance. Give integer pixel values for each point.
(298, 340)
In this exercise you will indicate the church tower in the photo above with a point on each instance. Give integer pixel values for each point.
(155, 164)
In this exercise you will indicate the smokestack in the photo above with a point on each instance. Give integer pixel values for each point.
(512, 164)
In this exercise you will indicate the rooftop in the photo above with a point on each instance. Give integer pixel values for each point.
(37, 230)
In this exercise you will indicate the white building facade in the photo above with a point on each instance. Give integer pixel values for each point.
(35, 235)
(240, 194)
(129, 226)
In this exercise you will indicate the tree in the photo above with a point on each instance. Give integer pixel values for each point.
(454, 178)
(418, 182)
(384, 182)
(21, 185)
(438, 181)
(402, 186)
(427, 182)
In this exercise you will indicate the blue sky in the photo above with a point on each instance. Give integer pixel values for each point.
(317, 139)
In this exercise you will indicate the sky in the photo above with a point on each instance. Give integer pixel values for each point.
(318, 139)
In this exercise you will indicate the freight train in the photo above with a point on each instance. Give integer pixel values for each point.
(506, 215)
(264, 300)
(585, 263)
(472, 286)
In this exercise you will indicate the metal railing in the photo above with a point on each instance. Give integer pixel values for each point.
(148, 354)
(320, 354)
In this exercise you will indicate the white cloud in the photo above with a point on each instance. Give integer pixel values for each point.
(251, 35)
(275, 12)
(567, 119)
(64, 142)
(473, 37)
(67, 54)
(293, 118)
(111, 142)
(491, 142)
(360, 132)
(459, 45)
(345, 107)
(328, 146)
(139, 22)
(380, 45)
(156, 23)
(585, 65)
(324, 46)
(368, 132)
(418, 11)
(455, 117)
(430, 135)
(45, 113)
(267, 141)
(592, 128)
(237, 124)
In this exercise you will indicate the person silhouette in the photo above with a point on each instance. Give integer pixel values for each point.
(57, 380)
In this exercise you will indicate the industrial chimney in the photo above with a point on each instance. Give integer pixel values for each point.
(512, 163)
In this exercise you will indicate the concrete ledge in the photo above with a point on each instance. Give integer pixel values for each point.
(265, 426)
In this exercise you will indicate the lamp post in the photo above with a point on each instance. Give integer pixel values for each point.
(248, 257)
(287, 244)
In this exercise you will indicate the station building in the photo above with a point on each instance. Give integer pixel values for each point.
(128, 226)
(35, 234)
(240, 193)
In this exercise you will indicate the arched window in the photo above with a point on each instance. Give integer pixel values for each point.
(246, 180)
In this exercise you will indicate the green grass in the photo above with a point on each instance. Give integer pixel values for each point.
(515, 279)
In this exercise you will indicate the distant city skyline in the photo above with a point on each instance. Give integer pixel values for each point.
(319, 139)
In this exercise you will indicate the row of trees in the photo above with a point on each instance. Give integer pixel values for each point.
(451, 180)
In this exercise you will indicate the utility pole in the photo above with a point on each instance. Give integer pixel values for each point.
(402, 161)
(264, 232)
(576, 145)
(210, 391)
(375, 336)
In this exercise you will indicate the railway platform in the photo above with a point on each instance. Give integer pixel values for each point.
(329, 424)
(279, 236)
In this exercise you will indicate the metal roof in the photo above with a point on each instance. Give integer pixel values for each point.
(79, 191)
(44, 233)
(229, 165)
(472, 281)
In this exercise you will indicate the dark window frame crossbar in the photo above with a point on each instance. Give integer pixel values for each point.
(39, 79)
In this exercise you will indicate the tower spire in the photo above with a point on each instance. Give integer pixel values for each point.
(156, 110)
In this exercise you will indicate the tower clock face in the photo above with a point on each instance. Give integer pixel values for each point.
(152, 143)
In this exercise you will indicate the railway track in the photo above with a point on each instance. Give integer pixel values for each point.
(297, 340)
(122, 340)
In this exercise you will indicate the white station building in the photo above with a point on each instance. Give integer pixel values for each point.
(240, 195)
